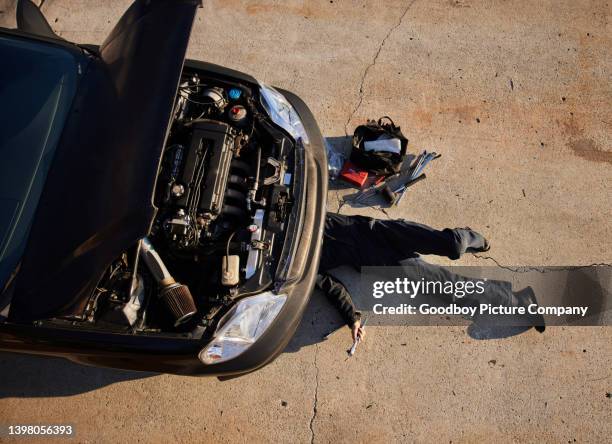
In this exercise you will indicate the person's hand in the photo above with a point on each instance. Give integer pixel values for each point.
(357, 331)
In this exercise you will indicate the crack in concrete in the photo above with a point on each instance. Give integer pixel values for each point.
(383, 211)
(316, 396)
(542, 270)
(374, 60)
(341, 201)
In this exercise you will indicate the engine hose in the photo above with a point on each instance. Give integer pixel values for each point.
(231, 193)
(240, 165)
(257, 168)
(237, 180)
(232, 210)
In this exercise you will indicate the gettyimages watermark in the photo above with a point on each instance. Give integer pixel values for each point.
(419, 293)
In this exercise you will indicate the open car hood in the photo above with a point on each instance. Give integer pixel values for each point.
(97, 200)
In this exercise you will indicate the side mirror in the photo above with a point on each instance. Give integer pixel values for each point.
(31, 20)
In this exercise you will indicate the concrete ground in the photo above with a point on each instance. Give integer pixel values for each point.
(517, 96)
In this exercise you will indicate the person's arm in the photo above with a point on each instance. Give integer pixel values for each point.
(339, 296)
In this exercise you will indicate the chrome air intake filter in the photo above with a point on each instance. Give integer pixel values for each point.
(179, 301)
(176, 296)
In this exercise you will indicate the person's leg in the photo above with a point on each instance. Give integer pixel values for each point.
(494, 293)
(363, 241)
(394, 240)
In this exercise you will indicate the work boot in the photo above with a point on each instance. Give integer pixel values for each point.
(472, 241)
(485, 247)
(526, 297)
(522, 298)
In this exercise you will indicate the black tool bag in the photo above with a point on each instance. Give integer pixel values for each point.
(376, 162)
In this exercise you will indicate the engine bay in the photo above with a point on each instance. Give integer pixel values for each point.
(224, 194)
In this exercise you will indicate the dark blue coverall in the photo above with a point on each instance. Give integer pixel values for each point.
(361, 241)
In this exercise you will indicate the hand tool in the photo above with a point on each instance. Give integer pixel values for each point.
(402, 189)
(378, 185)
(388, 195)
(414, 176)
(357, 340)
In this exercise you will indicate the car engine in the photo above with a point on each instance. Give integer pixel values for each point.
(224, 194)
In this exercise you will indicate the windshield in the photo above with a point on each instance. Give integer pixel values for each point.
(37, 85)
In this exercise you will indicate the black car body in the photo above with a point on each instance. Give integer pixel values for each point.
(174, 214)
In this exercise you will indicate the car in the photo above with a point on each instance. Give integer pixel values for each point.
(156, 213)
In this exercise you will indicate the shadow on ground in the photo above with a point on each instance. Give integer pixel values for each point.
(320, 319)
(28, 376)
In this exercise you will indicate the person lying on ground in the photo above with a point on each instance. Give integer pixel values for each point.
(360, 241)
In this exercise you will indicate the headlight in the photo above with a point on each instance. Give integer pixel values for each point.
(246, 323)
(282, 112)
